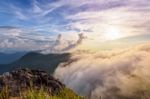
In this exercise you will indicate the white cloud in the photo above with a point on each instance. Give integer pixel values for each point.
(19, 39)
(127, 16)
(91, 17)
(20, 15)
(108, 74)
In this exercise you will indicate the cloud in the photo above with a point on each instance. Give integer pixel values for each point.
(61, 45)
(10, 31)
(108, 74)
(73, 45)
(106, 15)
(54, 47)
(20, 15)
(85, 14)
(91, 17)
(19, 39)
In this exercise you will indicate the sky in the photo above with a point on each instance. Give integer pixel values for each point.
(27, 25)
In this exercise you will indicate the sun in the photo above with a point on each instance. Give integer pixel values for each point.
(112, 33)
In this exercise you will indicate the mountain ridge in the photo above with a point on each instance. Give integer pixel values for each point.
(34, 60)
(6, 58)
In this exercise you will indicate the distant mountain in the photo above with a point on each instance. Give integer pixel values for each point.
(4, 68)
(34, 60)
(6, 58)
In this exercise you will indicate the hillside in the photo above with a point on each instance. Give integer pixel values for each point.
(34, 60)
(4, 68)
(47, 62)
(33, 84)
(6, 58)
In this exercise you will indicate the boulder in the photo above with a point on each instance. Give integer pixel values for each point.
(23, 79)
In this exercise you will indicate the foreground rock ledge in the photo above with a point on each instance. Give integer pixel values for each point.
(24, 78)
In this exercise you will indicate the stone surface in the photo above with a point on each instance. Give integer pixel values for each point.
(22, 79)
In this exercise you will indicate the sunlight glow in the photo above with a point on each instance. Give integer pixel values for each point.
(112, 33)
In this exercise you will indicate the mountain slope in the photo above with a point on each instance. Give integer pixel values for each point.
(34, 60)
(6, 58)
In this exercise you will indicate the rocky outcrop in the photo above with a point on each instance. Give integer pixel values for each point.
(24, 78)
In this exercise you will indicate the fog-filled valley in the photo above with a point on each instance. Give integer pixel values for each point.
(119, 74)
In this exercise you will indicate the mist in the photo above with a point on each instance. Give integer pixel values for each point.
(116, 74)
(73, 45)
(61, 45)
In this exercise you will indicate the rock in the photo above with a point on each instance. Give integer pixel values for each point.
(22, 79)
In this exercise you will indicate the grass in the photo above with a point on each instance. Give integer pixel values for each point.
(63, 94)
(4, 94)
(141, 92)
(40, 94)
